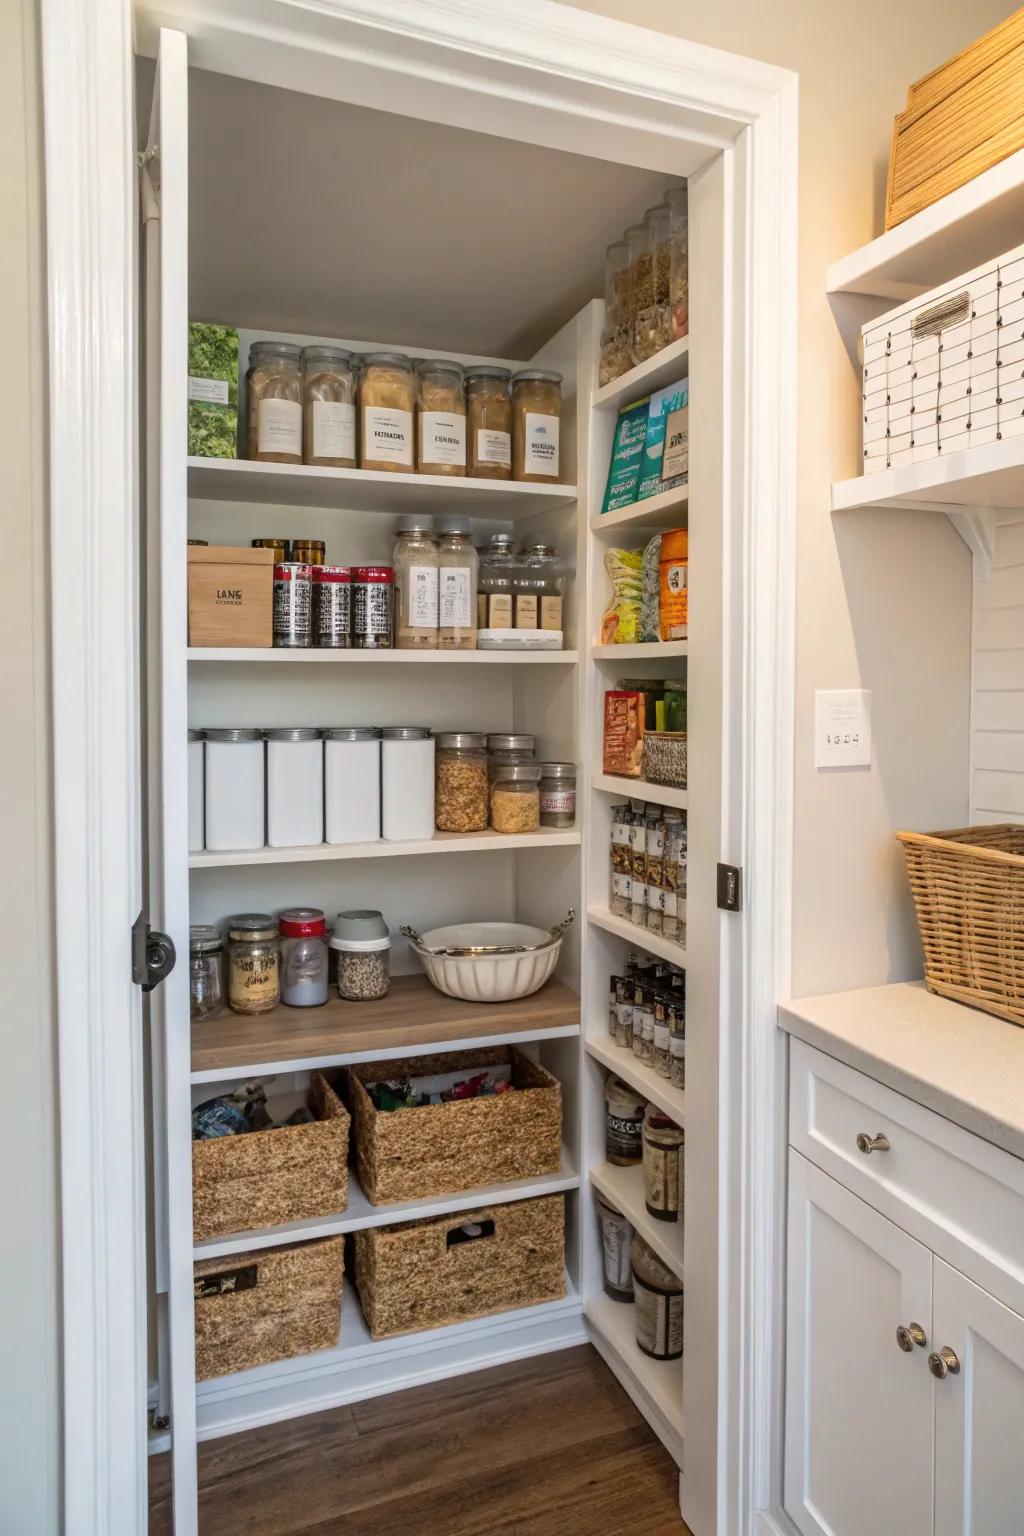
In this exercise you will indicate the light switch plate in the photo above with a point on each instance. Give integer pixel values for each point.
(842, 728)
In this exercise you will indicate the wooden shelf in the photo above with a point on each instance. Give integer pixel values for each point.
(641, 789)
(441, 842)
(624, 1188)
(669, 509)
(348, 658)
(655, 650)
(666, 367)
(413, 1019)
(638, 1075)
(654, 944)
(656, 1386)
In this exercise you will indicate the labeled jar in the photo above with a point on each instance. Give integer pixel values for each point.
(663, 1165)
(351, 784)
(457, 580)
(616, 1235)
(205, 973)
(536, 418)
(677, 201)
(332, 607)
(658, 1294)
(407, 783)
(303, 957)
(416, 565)
(274, 385)
(373, 607)
(254, 972)
(498, 567)
(307, 551)
(196, 808)
(295, 787)
(489, 422)
(235, 792)
(624, 1012)
(461, 799)
(510, 747)
(651, 317)
(293, 605)
(441, 433)
(671, 909)
(515, 797)
(677, 1042)
(624, 1124)
(328, 408)
(537, 589)
(362, 945)
(387, 402)
(616, 355)
(558, 795)
(620, 862)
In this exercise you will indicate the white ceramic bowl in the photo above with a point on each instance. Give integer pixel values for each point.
(488, 978)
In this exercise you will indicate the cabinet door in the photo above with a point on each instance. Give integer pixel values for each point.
(979, 1411)
(858, 1408)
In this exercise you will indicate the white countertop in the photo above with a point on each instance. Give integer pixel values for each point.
(964, 1064)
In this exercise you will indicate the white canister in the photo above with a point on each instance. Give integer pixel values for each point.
(295, 787)
(235, 793)
(407, 783)
(351, 784)
(196, 838)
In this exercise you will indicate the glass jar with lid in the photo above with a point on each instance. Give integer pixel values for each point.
(328, 408)
(536, 417)
(205, 972)
(387, 405)
(415, 563)
(441, 434)
(639, 283)
(616, 355)
(274, 402)
(458, 574)
(515, 797)
(489, 422)
(494, 593)
(303, 957)
(677, 202)
(361, 945)
(461, 801)
(254, 971)
(509, 747)
(651, 318)
(558, 795)
(537, 589)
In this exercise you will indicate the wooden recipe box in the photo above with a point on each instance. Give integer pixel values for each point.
(230, 595)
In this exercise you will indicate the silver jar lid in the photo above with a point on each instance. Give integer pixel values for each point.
(204, 938)
(512, 743)
(330, 355)
(499, 543)
(252, 925)
(518, 773)
(286, 351)
(544, 374)
(387, 360)
(562, 771)
(487, 371)
(415, 522)
(405, 733)
(440, 365)
(234, 733)
(454, 522)
(352, 733)
(468, 740)
(294, 733)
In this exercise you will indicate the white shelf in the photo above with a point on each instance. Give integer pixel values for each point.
(624, 1188)
(666, 367)
(638, 1075)
(669, 509)
(655, 650)
(624, 929)
(656, 1386)
(641, 789)
(441, 842)
(368, 490)
(347, 658)
(987, 477)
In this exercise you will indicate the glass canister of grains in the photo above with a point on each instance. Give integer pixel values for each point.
(328, 408)
(677, 201)
(303, 957)
(461, 800)
(373, 607)
(489, 422)
(536, 418)
(441, 433)
(415, 559)
(254, 971)
(458, 577)
(616, 353)
(515, 797)
(363, 948)
(387, 400)
(205, 972)
(274, 385)
(651, 319)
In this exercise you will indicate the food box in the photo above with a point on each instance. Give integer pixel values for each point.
(627, 456)
(212, 391)
(623, 732)
(230, 596)
(663, 404)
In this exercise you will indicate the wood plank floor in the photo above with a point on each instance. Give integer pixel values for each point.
(545, 1447)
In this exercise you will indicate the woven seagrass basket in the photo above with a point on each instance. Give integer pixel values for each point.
(968, 888)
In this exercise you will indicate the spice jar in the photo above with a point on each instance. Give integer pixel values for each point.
(363, 948)
(651, 320)
(624, 1012)
(498, 568)
(307, 551)
(624, 1123)
(621, 867)
(616, 1234)
(441, 436)
(536, 415)
(489, 422)
(274, 383)
(677, 201)
(415, 559)
(616, 356)
(537, 589)
(671, 925)
(303, 957)
(643, 1023)
(515, 797)
(458, 576)
(558, 795)
(461, 800)
(663, 1165)
(509, 747)
(659, 1303)
(205, 973)
(293, 605)
(373, 604)
(387, 400)
(254, 976)
(677, 1042)
(328, 408)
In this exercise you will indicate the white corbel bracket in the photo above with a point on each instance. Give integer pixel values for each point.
(975, 525)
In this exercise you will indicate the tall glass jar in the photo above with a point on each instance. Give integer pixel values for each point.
(616, 352)
(387, 406)
(328, 408)
(489, 422)
(510, 747)
(416, 571)
(677, 202)
(461, 800)
(536, 418)
(205, 972)
(303, 957)
(274, 386)
(441, 433)
(494, 593)
(254, 970)
(651, 318)
(639, 284)
(537, 588)
(458, 576)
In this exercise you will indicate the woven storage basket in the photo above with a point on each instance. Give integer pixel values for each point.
(268, 1177)
(427, 1274)
(440, 1149)
(257, 1307)
(968, 888)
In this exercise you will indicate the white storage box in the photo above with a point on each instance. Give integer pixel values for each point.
(946, 370)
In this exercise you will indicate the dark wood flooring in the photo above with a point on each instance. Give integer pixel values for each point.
(550, 1446)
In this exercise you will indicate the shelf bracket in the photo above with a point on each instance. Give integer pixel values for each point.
(975, 525)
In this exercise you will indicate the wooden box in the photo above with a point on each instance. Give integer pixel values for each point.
(252, 1308)
(230, 595)
(960, 120)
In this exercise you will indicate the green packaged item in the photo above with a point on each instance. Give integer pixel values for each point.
(212, 391)
(664, 401)
(627, 456)
(675, 708)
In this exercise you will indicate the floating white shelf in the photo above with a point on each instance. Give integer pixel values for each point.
(670, 509)
(666, 367)
(656, 1386)
(624, 1188)
(347, 658)
(661, 650)
(638, 1075)
(665, 949)
(989, 476)
(441, 842)
(641, 789)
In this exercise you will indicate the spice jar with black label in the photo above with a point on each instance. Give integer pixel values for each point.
(274, 384)
(332, 606)
(293, 606)
(624, 1124)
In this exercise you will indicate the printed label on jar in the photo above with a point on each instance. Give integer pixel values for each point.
(280, 427)
(421, 596)
(551, 613)
(624, 1137)
(255, 984)
(661, 1179)
(493, 447)
(387, 435)
(499, 611)
(209, 391)
(540, 450)
(455, 600)
(659, 1321)
(526, 610)
(334, 430)
(559, 802)
(442, 438)
(616, 1233)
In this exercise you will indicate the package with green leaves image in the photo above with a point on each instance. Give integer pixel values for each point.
(663, 403)
(627, 454)
(212, 391)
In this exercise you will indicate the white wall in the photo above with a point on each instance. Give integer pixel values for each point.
(997, 735)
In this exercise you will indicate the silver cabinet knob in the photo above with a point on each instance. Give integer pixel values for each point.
(867, 1144)
(944, 1362)
(909, 1335)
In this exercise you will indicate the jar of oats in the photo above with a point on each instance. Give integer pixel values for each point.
(536, 416)
(460, 786)
(652, 320)
(515, 797)
(387, 404)
(274, 383)
(489, 422)
(441, 433)
(328, 408)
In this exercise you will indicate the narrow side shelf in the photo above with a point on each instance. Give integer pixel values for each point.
(665, 949)
(638, 1075)
(665, 367)
(654, 650)
(641, 789)
(669, 509)
(656, 1386)
(624, 1188)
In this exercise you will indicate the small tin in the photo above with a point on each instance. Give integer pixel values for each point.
(373, 607)
(307, 551)
(293, 607)
(332, 606)
(279, 546)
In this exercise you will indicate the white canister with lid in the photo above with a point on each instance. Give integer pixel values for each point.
(196, 812)
(351, 784)
(295, 787)
(407, 783)
(235, 795)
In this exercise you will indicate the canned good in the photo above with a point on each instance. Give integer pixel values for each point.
(373, 607)
(332, 606)
(293, 607)
(307, 551)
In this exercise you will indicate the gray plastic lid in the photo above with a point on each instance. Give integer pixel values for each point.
(519, 773)
(294, 733)
(415, 522)
(471, 740)
(487, 371)
(326, 355)
(445, 364)
(454, 522)
(234, 733)
(558, 770)
(511, 743)
(248, 924)
(387, 360)
(285, 350)
(204, 938)
(360, 930)
(405, 733)
(352, 733)
(537, 373)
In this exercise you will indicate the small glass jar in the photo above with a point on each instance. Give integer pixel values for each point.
(415, 564)
(458, 576)
(677, 201)
(537, 589)
(279, 546)
(307, 552)
(498, 565)
(460, 797)
(303, 957)
(254, 968)
(489, 423)
(616, 357)
(515, 798)
(328, 408)
(387, 405)
(558, 795)
(361, 946)
(441, 432)
(205, 973)
(536, 417)
(651, 318)
(511, 747)
(274, 384)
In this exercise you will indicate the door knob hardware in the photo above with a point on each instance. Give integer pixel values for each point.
(944, 1362)
(910, 1334)
(868, 1144)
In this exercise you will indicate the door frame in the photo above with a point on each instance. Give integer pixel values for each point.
(599, 87)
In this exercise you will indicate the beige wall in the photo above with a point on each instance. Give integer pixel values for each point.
(883, 599)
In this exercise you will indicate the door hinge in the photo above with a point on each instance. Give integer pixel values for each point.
(730, 887)
(153, 954)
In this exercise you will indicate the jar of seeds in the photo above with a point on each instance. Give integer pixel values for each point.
(677, 1042)
(620, 864)
(361, 942)
(638, 865)
(671, 923)
(461, 802)
(655, 875)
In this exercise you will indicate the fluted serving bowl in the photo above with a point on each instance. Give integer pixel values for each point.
(488, 978)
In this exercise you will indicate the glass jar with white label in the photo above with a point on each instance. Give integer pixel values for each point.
(536, 417)
(441, 430)
(328, 408)
(274, 383)
(416, 572)
(458, 568)
(387, 406)
(488, 422)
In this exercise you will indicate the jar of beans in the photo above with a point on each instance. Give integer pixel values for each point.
(362, 945)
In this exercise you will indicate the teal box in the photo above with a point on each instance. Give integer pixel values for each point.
(627, 456)
(673, 398)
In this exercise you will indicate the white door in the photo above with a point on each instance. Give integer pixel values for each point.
(979, 1411)
(858, 1406)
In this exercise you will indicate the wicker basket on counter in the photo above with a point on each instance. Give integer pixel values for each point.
(968, 888)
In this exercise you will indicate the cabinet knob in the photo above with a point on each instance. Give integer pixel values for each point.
(908, 1336)
(867, 1144)
(944, 1362)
